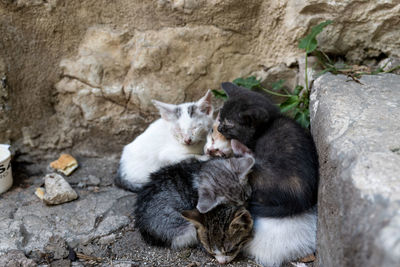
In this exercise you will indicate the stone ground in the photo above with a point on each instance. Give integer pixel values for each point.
(97, 229)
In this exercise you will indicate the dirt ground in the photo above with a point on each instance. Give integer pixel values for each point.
(119, 246)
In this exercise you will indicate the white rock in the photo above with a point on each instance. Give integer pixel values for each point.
(58, 190)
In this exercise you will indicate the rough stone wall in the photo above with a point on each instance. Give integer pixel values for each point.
(356, 128)
(80, 74)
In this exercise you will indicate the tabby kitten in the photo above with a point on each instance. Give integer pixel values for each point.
(224, 231)
(285, 176)
(185, 186)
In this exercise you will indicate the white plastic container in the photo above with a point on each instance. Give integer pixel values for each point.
(6, 180)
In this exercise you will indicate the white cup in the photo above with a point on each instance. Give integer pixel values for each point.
(5, 168)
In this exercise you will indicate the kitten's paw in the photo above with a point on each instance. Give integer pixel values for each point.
(186, 238)
(202, 157)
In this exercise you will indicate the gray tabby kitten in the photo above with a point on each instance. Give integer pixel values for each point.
(178, 189)
(224, 231)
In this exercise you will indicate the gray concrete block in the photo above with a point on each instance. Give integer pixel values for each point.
(357, 131)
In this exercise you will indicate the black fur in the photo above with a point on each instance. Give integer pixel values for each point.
(285, 176)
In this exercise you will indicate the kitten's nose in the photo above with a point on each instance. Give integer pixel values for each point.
(212, 152)
(188, 141)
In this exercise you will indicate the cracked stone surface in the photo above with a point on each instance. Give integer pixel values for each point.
(98, 227)
(115, 74)
(356, 129)
(29, 225)
(16, 258)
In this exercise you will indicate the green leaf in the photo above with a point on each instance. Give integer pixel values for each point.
(278, 85)
(219, 94)
(249, 82)
(290, 103)
(325, 71)
(377, 71)
(297, 89)
(309, 43)
(303, 118)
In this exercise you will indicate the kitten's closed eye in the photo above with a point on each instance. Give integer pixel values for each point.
(225, 126)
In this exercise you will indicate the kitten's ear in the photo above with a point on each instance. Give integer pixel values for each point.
(240, 149)
(242, 220)
(207, 200)
(242, 166)
(204, 103)
(167, 111)
(254, 115)
(193, 216)
(230, 89)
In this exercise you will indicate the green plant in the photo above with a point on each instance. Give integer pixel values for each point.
(297, 102)
(251, 83)
(310, 43)
(294, 102)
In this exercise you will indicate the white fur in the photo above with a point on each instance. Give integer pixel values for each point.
(163, 142)
(188, 238)
(279, 240)
(221, 258)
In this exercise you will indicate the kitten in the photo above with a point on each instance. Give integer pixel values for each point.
(217, 145)
(224, 231)
(185, 186)
(285, 176)
(275, 240)
(179, 134)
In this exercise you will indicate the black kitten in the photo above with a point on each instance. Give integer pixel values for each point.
(185, 186)
(285, 176)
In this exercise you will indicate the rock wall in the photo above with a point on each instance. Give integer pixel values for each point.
(78, 75)
(356, 128)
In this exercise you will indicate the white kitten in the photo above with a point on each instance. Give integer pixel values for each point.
(179, 134)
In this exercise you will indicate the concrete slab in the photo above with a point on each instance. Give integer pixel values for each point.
(356, 127)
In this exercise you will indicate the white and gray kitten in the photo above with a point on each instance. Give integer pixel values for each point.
(179, 134)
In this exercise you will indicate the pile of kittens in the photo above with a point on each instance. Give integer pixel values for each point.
(254, 191)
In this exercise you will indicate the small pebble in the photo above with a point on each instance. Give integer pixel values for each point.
(72, 255)
(107, 239)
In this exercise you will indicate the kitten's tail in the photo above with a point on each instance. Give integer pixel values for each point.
(124, 184)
